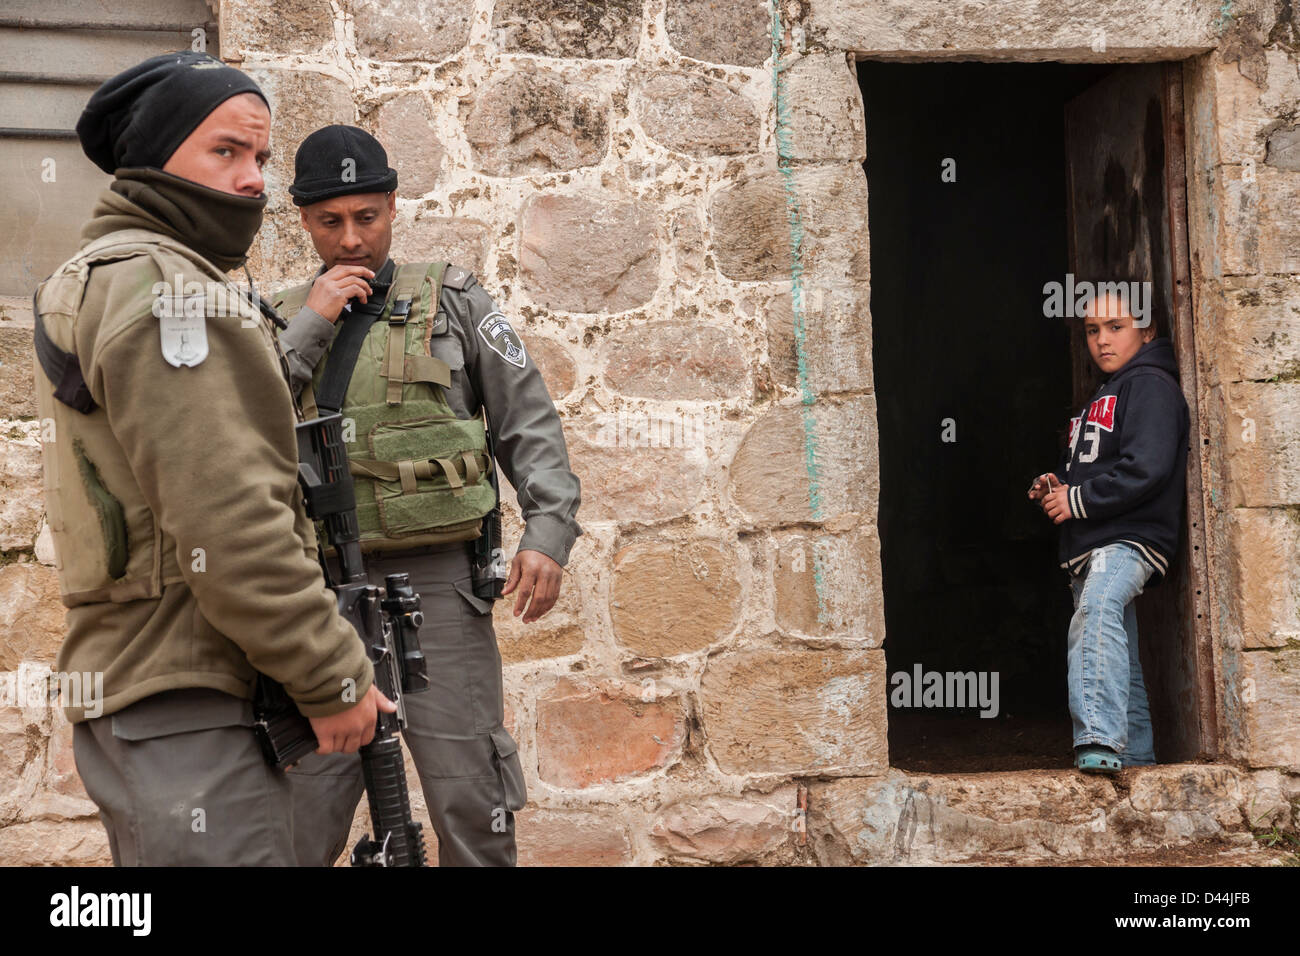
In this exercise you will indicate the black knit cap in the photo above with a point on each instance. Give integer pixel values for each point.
(140, 116)
(321, 170)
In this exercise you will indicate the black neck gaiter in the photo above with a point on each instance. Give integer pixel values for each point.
(217, 225)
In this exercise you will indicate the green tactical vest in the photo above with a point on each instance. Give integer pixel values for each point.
(421, 473)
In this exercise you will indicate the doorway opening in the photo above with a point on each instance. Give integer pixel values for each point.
(986, 181)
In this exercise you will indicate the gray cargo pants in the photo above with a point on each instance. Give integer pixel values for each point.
(467, 762)
(180, 781)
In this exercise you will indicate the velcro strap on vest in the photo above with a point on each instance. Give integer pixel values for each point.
(426, 368)
(62, 368)
(453, 479)
(395, 364)
(408, 472)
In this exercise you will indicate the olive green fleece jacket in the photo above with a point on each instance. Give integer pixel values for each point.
(196, 465)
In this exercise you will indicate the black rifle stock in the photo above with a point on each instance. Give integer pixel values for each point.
(387, 621)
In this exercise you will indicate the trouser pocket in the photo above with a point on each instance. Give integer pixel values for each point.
(510, 770)
(180, 780)
(482, 659)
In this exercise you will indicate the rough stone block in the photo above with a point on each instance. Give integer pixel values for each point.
(728, 830)
(411, 29)
(1264, 546)
(1247, 112)
(696, 115)
(404, 125)
(1010, 30)
(836, 343)
(17, 372)
(752, 232)
(589, 735)
(1190, 787)
(572, 838)
(826, 113)
(796, 711)
(668, 360)
(427, 238)
(588, 254)
(22, 491)
(50, 843)
(554, 362)
(770, 478)
(610, 29)
(32, 616)
(531, 120)
(829, 585)
(1260, 334)
(555, 635)
(296, 26)
(673, 597)
(1262, 444)
(1279, 223)
(627, 478)
(738, 32)
(1270, 696)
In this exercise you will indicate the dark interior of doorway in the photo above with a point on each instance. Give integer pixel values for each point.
(971, 580)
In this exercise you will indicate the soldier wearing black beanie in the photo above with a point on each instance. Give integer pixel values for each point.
(176, 439)
(140, 116)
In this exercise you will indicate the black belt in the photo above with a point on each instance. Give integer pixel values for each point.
(421, 551)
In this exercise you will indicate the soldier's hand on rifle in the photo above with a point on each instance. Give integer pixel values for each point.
(349, 731)
(534, 573)
(332, 291)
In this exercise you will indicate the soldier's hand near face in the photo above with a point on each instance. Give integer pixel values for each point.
(349, 731)
(331, 291)
(533, 573)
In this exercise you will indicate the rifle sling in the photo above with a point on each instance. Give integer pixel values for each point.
(342, 360)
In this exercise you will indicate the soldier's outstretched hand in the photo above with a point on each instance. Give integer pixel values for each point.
(536, 574)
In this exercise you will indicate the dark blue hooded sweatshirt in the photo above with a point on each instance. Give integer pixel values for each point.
(1126, 463)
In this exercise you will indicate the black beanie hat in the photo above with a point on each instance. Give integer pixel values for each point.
(320, 170)
(140, 116)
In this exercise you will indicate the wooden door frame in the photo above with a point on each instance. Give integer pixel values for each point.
(1182, 330)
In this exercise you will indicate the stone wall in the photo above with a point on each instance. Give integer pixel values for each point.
(610, 172)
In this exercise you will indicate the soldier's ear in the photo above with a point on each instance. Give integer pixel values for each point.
(392, 205)
(302, 215)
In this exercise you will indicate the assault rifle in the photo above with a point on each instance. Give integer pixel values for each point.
(387, 620)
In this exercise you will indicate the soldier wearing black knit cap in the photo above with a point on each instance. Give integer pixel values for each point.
(171, 485)
(413, 354)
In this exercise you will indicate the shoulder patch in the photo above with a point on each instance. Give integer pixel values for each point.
(458, 278)
(495, 330)
(182, 329)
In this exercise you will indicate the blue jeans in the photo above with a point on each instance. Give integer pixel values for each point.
(1108, 701)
